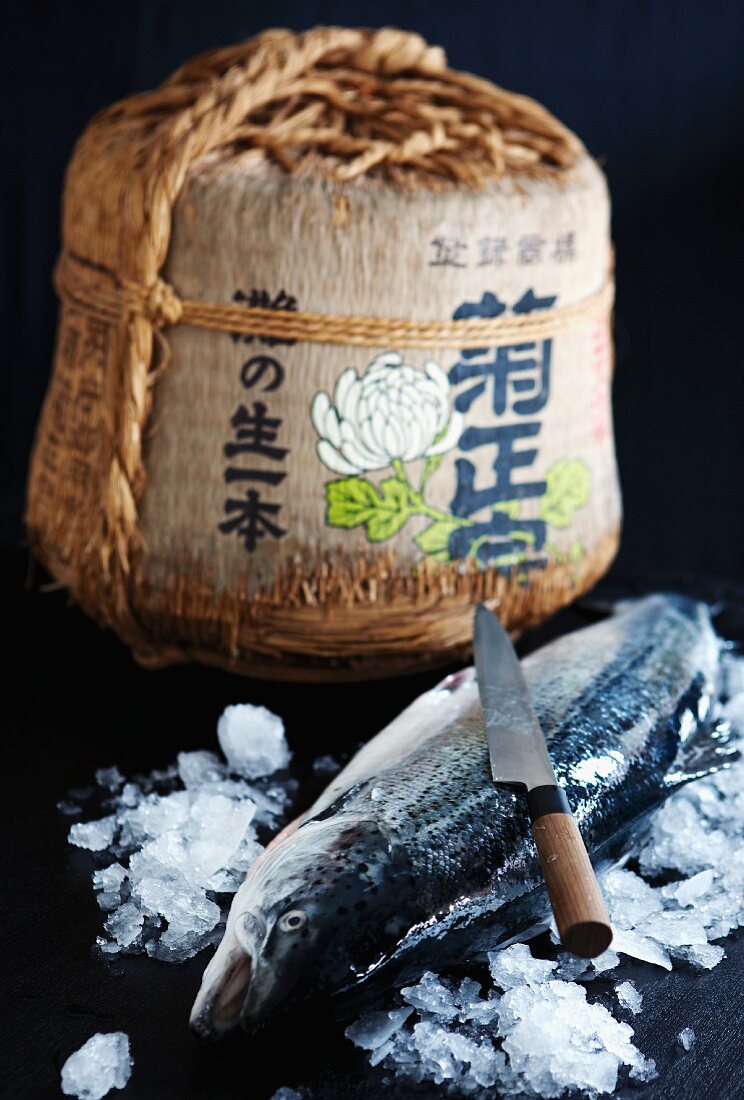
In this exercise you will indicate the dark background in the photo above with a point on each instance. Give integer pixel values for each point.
(74, 701)
(651, 87)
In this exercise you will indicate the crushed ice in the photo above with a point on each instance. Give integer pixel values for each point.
(686, 1038)
(629, 997)
(252, 739)
(184, 838)
(101, 1064)
(532, 1030)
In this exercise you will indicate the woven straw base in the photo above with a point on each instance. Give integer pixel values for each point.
(427, 625)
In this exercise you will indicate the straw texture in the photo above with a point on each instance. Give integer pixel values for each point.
(377, 108)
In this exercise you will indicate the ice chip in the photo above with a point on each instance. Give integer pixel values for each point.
(96, 836)
(130, 795)
(689, 890)
(107, 883)
(69, 808)
(431, 995)
(629, 997)
(374, 1029)
(196, 769)
(570, 967)
(608, 960)
(107, 947)
(686, 1038)
(101, 1064)
(701, 956)
(252, 739)
(472, 1006)
(326, 765)
(515, 965)
(629, 898)
(638, 947)
(286, 1093)
(643, 1070)
(675, 928)
(110, 778)
(125, 924)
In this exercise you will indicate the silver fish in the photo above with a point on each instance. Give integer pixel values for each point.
(412, 857)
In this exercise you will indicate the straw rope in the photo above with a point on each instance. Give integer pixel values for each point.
(336, 102)
(98, 292)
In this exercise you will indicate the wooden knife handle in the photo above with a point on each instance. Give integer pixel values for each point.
(578, 906)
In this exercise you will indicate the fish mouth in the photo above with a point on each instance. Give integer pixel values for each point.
(218, 1004)
(228, 980)
(271, 980)
(263, 994)
(229, 1001)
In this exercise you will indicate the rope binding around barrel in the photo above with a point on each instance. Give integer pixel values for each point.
(339, 103)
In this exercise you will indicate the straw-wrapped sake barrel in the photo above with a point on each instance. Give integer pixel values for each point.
(333, 362)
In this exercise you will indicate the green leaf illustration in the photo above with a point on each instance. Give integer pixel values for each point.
(394, 494)
(383, 525)
(568, 488)
(431, 465)
(434, 539)
(350, 502)
(391, 511)
(354, 501)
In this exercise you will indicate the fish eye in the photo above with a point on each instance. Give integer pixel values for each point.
(293, 920)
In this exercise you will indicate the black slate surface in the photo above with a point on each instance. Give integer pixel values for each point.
(74, 701)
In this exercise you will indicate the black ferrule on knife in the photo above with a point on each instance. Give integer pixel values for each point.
(548, 799)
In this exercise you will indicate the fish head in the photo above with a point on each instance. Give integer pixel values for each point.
(312, 917)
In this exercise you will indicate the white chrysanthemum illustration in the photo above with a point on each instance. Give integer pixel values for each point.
(393, 413)
(396, 413)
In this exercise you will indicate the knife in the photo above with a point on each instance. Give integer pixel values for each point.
(519, 758)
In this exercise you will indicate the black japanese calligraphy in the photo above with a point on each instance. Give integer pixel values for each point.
(255, 449)
(250, 519)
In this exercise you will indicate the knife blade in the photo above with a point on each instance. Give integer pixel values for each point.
(519, 758)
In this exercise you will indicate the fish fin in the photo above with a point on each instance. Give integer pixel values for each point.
(711, 747)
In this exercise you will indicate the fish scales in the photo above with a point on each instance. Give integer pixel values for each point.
(413, 855)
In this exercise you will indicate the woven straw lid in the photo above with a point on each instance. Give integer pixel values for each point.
(349, 103)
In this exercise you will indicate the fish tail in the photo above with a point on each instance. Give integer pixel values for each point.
(712, 746)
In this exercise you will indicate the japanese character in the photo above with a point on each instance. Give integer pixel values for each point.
(255, 432)
(491, 251)
(565, 248)
(250, 519)
(270, 477)
(253, 371)
(530, 248)
(525, 368)
(468, 499)
(448, 252)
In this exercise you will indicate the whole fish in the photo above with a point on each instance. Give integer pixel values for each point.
(413, 857)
